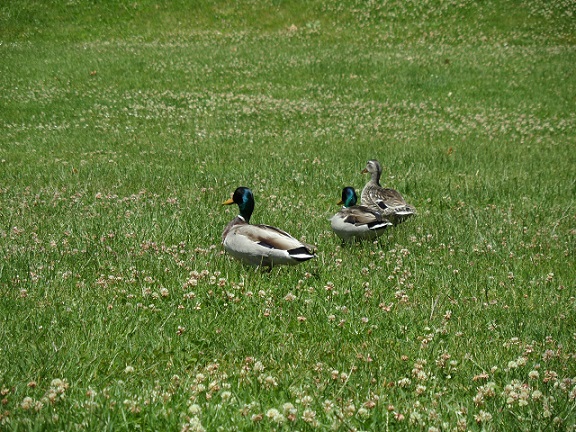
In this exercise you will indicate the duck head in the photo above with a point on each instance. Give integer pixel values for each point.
(349, 197)
(374, 168)
(245, 199)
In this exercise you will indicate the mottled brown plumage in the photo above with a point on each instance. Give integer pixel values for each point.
(388, 202)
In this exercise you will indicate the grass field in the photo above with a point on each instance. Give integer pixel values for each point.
(125, 125)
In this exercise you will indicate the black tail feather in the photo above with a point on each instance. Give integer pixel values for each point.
(301, 253)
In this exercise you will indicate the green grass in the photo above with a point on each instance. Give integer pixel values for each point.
(125, 125)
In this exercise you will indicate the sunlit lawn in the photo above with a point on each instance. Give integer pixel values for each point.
(125, 127)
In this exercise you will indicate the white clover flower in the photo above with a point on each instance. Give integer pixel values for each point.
(194, 425)
(200, 377)
(275, 415)
(309, 416)
(363, 413)
(212, 367)
(349, 409)
(270, 381)
(478, 399)
(195, 409)
(328, 406)
(57, 382)
(289, 409)
(272, 413)
(483, 417)
(537, 395)
(256, 417)
(404, 382)
(487, 390)
(548, 354)
(213, 386)
(420, 375)
(415, 417)
(27, 403)
(38, 405)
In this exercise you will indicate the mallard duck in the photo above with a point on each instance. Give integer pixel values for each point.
(357, 221)
(260, 245)
(387, 201)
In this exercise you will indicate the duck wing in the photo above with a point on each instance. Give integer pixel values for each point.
(360, 215)
(386, 198)
(272, 237)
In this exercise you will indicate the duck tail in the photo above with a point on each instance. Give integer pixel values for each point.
(301, 253)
